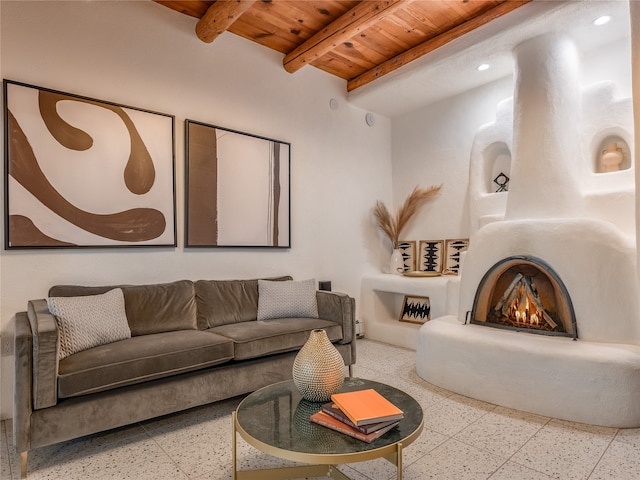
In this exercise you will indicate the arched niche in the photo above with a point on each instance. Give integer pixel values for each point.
(612, 153)
(497, 167)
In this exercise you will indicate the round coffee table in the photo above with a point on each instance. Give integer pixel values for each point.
(275, 420)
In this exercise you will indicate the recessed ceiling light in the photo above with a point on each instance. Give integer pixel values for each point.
(602, 20)
(482, 67)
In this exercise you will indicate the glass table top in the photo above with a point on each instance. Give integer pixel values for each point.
(278, 416)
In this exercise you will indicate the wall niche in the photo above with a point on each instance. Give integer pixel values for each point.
(613, 155)
(497, 169)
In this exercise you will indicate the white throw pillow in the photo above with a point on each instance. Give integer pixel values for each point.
(85, 322)
(287, 299)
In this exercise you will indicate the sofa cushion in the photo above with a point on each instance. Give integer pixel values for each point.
(162, 307)
(89, 321)
(257, 339)
(287, 299)
(139, 359)
(150, 308)
(227, 301)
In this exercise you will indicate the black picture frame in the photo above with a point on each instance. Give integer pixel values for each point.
(82, 172)
(238, 188)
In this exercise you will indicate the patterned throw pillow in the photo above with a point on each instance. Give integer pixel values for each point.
(85, 322)
(287, 299)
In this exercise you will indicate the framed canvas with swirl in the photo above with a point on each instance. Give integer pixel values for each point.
(237, 188)
(82, 172)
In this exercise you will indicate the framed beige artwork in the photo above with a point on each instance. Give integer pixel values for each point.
(415, 309)
(430, 256)
(453, 253)
(408, 252)
(238, 188)
(82, 172)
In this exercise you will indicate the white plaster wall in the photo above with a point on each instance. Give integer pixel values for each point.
(433, 143)
(145, 55)
(432, 146)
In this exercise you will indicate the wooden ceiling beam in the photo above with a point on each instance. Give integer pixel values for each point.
(219, 17)
(359, 18)
(432, 44)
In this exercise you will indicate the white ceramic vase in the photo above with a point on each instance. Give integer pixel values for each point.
(318, 369)
(396, 265)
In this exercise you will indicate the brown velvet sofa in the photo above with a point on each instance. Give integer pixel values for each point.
(192, 343)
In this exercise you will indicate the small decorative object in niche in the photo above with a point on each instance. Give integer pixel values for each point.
(238, 190)
(82, 172)
(392, 225)
(408, 252)
(453, 250)
(502, 181)
(430, 256)
(415, 309)
(611, 158)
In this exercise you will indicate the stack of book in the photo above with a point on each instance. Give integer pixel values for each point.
(363, 414)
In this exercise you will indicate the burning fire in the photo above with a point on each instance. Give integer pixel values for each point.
(523, 310)
(521, 305)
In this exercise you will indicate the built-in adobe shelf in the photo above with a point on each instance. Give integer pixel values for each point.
(381, 300)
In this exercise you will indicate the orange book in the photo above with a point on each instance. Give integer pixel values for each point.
(333, 423)
(366, 406)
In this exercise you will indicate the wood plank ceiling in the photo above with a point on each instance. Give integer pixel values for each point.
(356, 40)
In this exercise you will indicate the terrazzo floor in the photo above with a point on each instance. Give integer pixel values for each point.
(463, 439)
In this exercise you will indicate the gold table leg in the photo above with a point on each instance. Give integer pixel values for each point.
(23, 464)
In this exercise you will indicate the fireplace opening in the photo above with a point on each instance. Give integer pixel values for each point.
(524, 294)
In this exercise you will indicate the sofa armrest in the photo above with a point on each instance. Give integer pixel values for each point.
(22, 407)
(45, 354)
(340, 308)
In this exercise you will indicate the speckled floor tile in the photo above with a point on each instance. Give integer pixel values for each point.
(397, 365)
(137, 458)
(426, 442)
(629, 435)
(565, 450)
(381, 468)
(513, 471)
(454, 413)
(5, 466)
(620, 461)
(454, 460)
(502, 431)
(463, 439)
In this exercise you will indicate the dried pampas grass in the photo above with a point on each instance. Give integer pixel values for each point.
(391, 225)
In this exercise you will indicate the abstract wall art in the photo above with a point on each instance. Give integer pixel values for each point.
(430, 258)
(408, 252)
(454, 249)
(82, 172)
(415, 309)
(237, 188)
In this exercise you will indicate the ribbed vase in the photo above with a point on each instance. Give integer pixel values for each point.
(318, 369)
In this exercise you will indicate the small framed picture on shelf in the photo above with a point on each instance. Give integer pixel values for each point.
(415, 309)
(454, 249)
(408, 252)
(430, 256)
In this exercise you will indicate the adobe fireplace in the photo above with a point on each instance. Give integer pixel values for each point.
(524, 294)
(559, 208)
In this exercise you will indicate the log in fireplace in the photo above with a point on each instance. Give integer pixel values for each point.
(525, 294)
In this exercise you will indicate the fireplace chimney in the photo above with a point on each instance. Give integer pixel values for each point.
(546, 130)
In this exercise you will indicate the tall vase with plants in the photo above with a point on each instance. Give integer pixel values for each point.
(392, 225)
